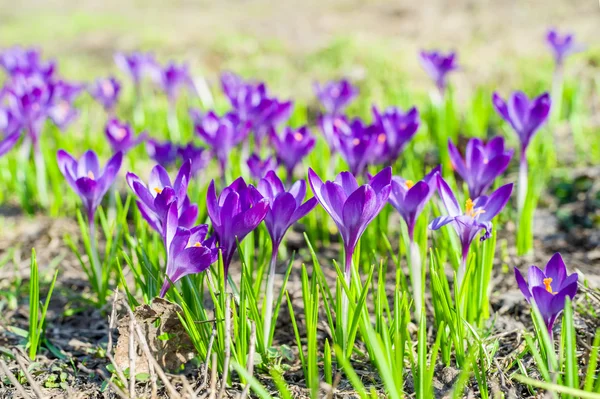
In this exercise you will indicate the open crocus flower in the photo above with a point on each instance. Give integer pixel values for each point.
(561, 45)
(482, 163)
(358, 148)
(222, 134)
(197, 155)
(335, 95)
(62, 111)
(398, 128)
(187, 250)
(155, 199)
(120, 136)
(477, 216)
(106, 92)
(292, 147)
(237, 211)
(87, 179)
(259, 167)
(136, 65)
(351, 207)
(409, 198)
(164, 153)
(548, 288)
(438, 65)
(332, 127)
(285, 209)
(172, 78)
(525, 117)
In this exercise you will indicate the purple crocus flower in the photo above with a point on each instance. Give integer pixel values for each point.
(106, 92)
(292, 147)
(259, 167)
(8, 142)
(477, 217)
(121, 137)
(525, 117)
(172, 78)
(332, 127)
(482, 163)
(155, 198)
(237, 211)
(187, 250)
(164, 153)
(87, 179)
(561, 46)
(136, 65)
(409, 199)
(398, 128)
(26, 61)
(285, 209)
(360, 147)
(198, 156)
(62, 111)
(222, 135)
(437, 65)
(548, 288)
(351, 207)
(335, 95)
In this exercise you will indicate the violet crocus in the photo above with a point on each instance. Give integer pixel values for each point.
(163, 152)
(357, 144)
(155, 198)
(197, 155)
(137, 66)
(548, 288)
(8, 142)
(26, 60)
(222, 134)
(259, 167)
(335, 96)
(87, 179)
(332, 127)
(62, 111)
(398, 128)
(526, 117)
(235, 213)
(106, 92)
(438, 65)
(477, 217)
(172, 78)
(482, 163)
(121, 137)
(188, 252)
(285, 209)
(562, 46)
(409, 199)
(291, 147)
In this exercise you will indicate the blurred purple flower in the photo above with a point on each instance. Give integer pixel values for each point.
(187, 250)
(62, 111)
(155, 198)
(332, 128)
(259, 167)
(358, 145)
(198, 156)
(548, 288)
(172, 78)
(237, 211)
(8, 142)
(106, 91)
(87, 179)
(437, 65)
(164, 153)
(222, 135)
(292, 147)
(351, 207)
(482, 163)
(121, 137)
(136, 65)
(562, 45)
(477, 216)
(26, 61)
(409, 198)
(335, 95)
(398, 129)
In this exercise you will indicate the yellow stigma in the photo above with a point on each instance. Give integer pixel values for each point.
(381, 138)
(91, 175)
(470, 209)
(197, 244)
(356, 142)
(158, 190)
(298, 136)
(409, 183)
(547, 284)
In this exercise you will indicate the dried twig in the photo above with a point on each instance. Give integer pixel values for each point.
(213, 377)
(250, 363)
(111, 322)
(188, 388)
(13, 380)
(170, 388)
(114, 387)
(207, 362)
(32, 383)
(132, 356)
(144, 344)
(227, 346)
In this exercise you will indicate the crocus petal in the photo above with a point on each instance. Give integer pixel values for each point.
(381, 180)
(171, 226)
(358, 211)
(556, 269)
(212, 204)
(440, 221)
(159, 178)
(500, 106)
(88, 164)
(8, 143)
(496, 202)
(535, 277)
(304, 209)
(543, 300)
(247, 221)
(448, 198)
(522, 285)
(457, 161)
(416, 197)
(347, 181)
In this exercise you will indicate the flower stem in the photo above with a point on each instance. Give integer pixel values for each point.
(40, 174)
(523, 182)
(96, 267)
(268, 304)
(416, 277)
(345, 300)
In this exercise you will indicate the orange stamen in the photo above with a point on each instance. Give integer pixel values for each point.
(197, 244)
(381, 138)
(91, 175)
(409, 183)
(298, 136)
(547, 284)
(158, 190)
(470, 209)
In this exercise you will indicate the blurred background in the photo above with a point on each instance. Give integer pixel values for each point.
(291, 43)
